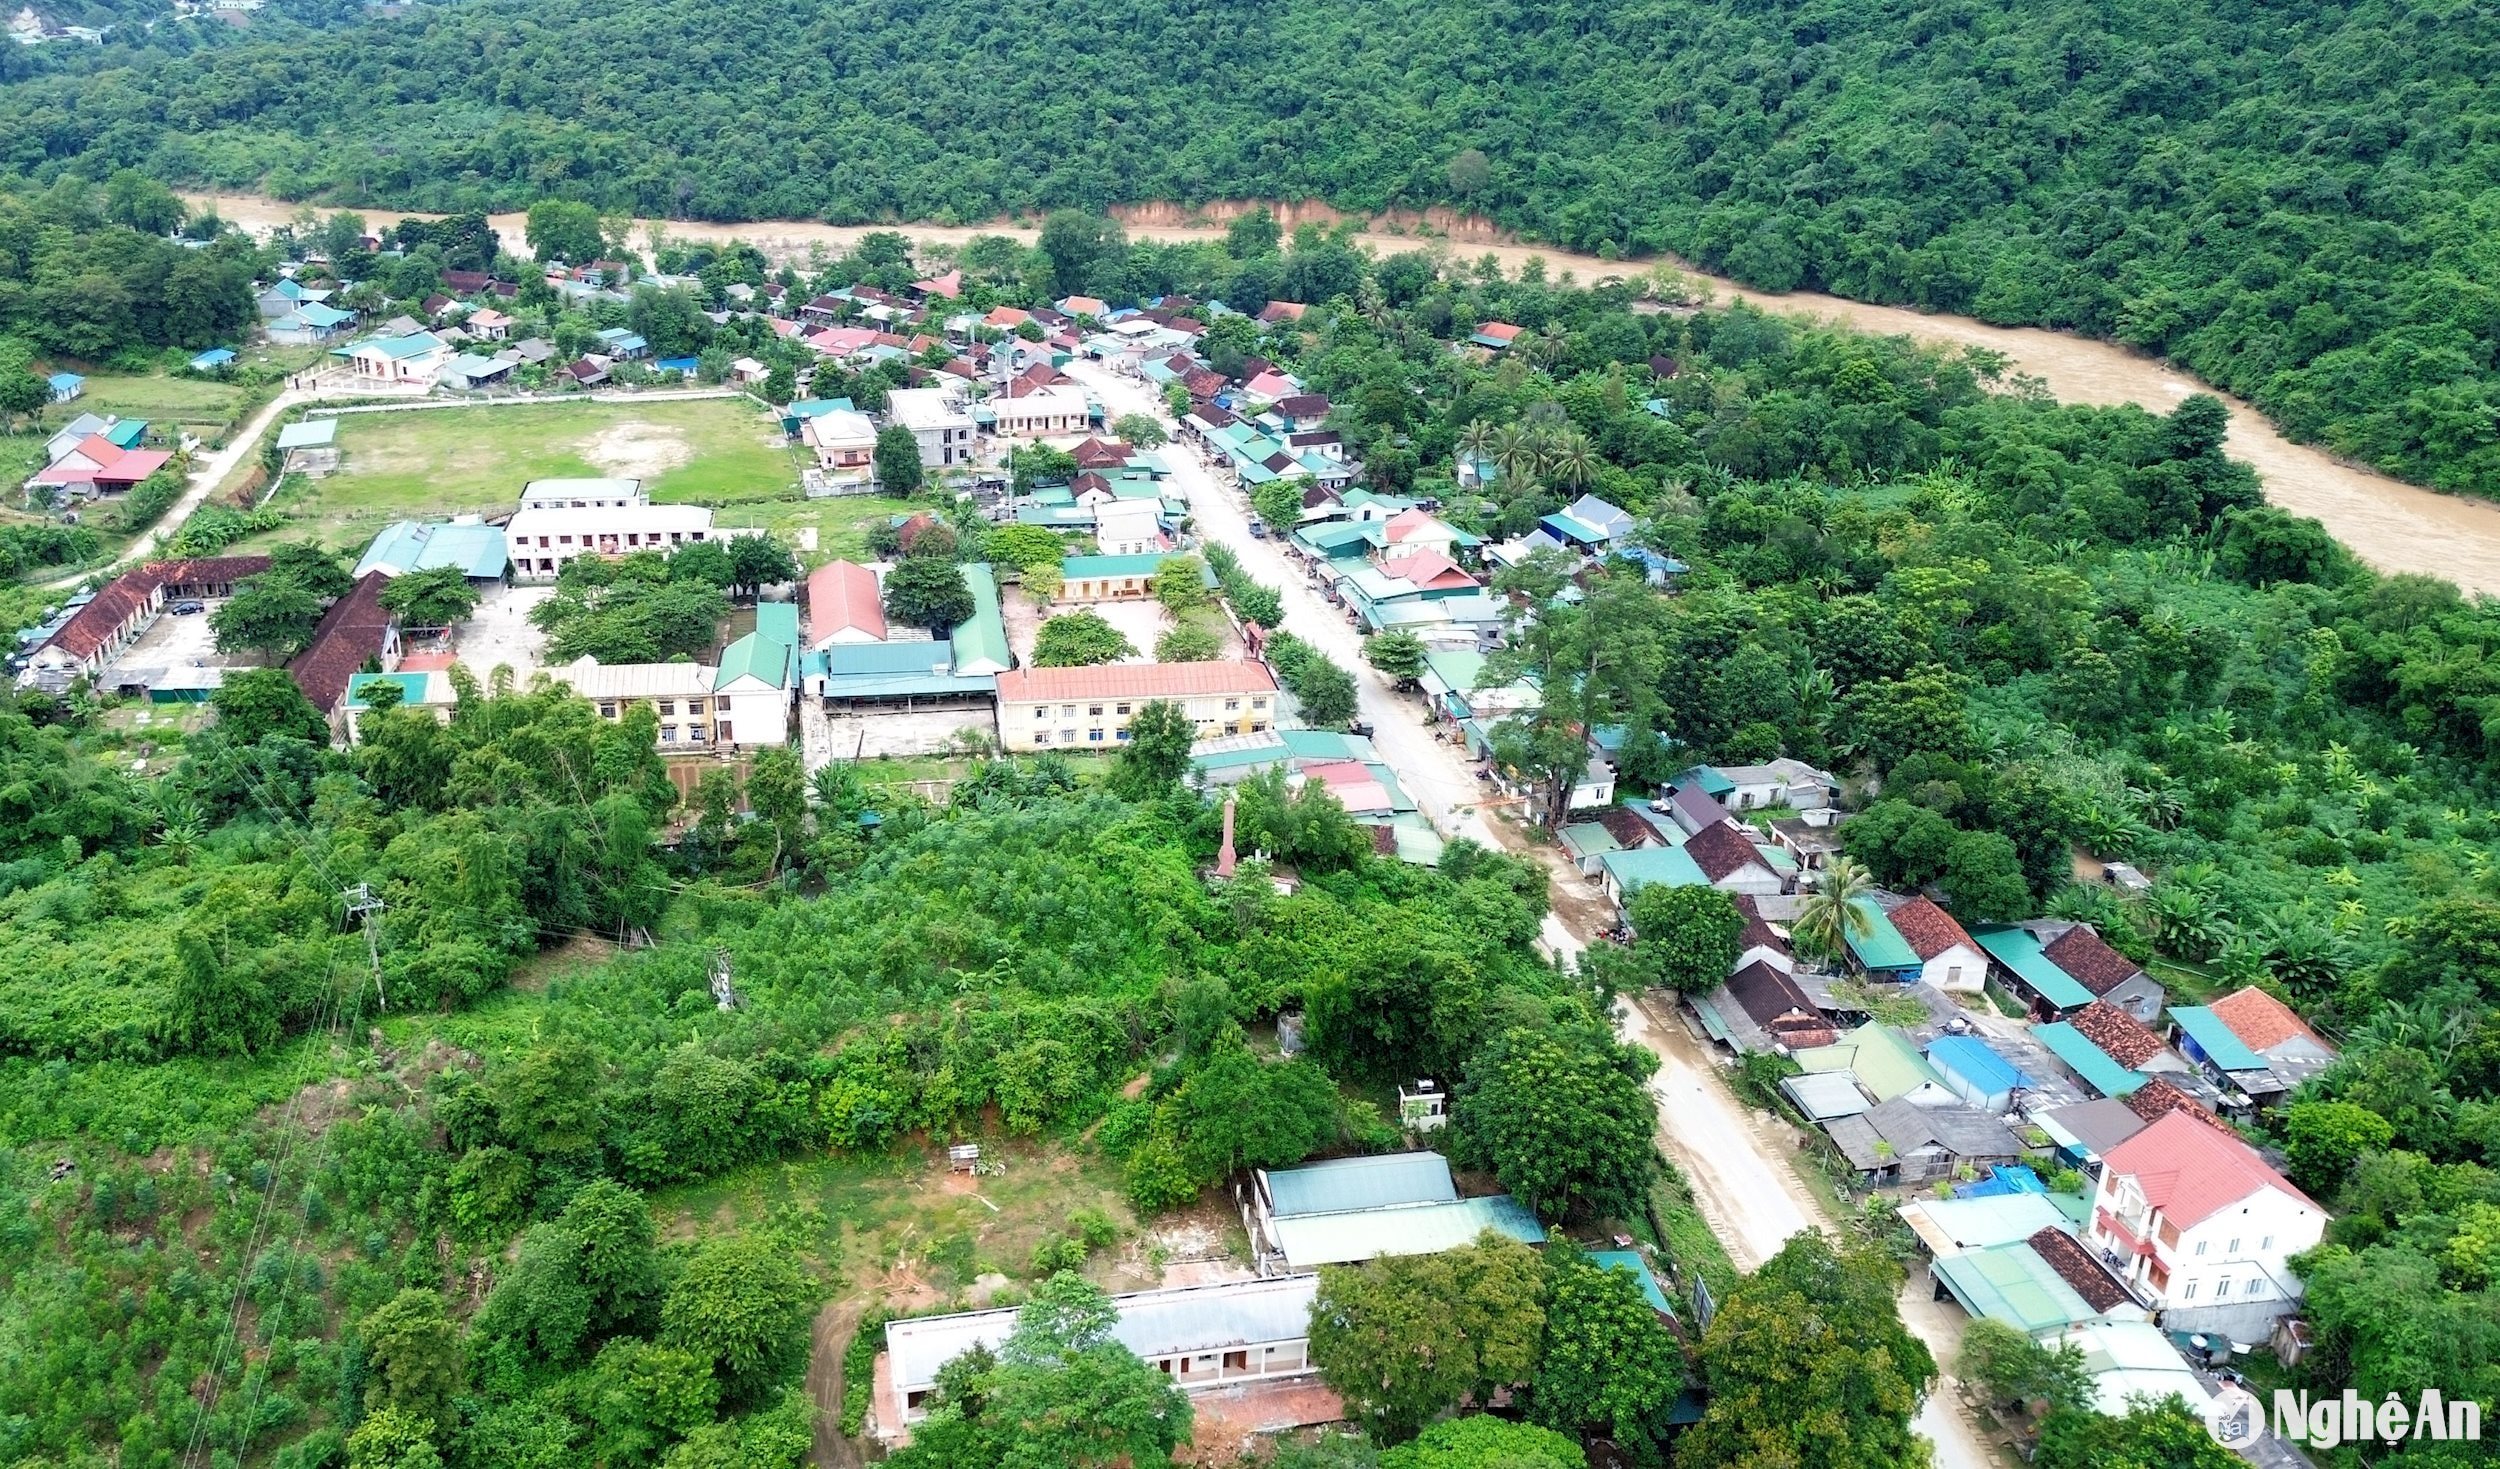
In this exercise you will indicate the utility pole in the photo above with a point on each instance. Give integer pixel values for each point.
(361, 906)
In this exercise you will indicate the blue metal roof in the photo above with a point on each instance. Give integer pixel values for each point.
(2018, 949)
(413, 545)
(1633, 1265)
(1976, 1062)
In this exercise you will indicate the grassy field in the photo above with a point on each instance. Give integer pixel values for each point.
(191, 405)
(438, 462)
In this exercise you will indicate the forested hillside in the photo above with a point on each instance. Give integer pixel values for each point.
(2301, 202)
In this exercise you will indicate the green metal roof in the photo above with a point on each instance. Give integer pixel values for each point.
(127, 433)
(1713, 784)
(1882, 1059)
(2012, 1284)
(1583, 838)
(1670, 866)
(411, 688)
(1881, 946)
(2097, 1067)
(2215, 1039)
(778, 621)
(1630, 1263)
(981, 639)
(411, 545)
(759, 656)
(1424, 1229)
(1386, 1180)
(2018, 949)
(1078, 568)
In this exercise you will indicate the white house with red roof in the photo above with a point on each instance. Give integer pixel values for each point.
(1949, 958)
(843, 606)
(98, 466)
(2200, 1227)
(1417, 530)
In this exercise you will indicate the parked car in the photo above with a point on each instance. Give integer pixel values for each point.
(1258, 529)
(1361, 727)
(186, 607)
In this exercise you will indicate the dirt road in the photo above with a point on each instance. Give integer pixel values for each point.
(2392, 525)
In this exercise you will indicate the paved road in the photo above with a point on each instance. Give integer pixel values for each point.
(1745, 1186)
(1437, 774)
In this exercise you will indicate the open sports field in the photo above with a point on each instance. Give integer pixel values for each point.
(436, 462)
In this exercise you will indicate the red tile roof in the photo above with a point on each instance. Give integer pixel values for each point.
(1721, 849)
(1100, 453)
(949, 285)
(1276, 311)
(1757, 933)
(1136, 681)
(842, 596)
(208, 571)
(1304, 405)
(115, 465)
(2261, 1021)
(2075, 1266)
(2126, 1039)
(1500, 331)
(2191, 1172)
(1778, 1005)
(1627, 828)
(2084, 954)
(2161, 1096)
(356, 627)
(1929, 929)
(93, 626)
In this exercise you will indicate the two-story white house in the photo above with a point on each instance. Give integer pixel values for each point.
(937, 420)
(2199, 1227)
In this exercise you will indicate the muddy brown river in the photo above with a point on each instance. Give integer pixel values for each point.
(2390, 524)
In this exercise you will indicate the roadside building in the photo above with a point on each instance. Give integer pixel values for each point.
(679, 696)
(541, 539)
(938, 421)
(1352, 1209)
(1092, 707)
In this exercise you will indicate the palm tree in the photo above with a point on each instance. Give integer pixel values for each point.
(1830, 915)
(1515, 452)
(1569, 459)
(1475, 441)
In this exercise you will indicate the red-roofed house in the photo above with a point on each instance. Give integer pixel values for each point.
(356, 630)
(1948, 957)
(1353, 784)
(1091, 707)
(1418, 530)
(2108, 974)
(949, 285)
(842, 341)
(2198, 1224)
(1006, 318)
(1430, 571)
(1495, 334)
(98, 466)
(2127, 1040)
(1276, 313)
(1085, 306)
(1726, 855)
(843, 605)
(1271, 386)
(2264, 1024)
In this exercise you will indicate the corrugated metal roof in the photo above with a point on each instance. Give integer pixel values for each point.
(1885, 1063)
(1972, 1059)
(981, 639)
(1881, 946)
(1633, 1265)
(1949, 1226)
(2216, 1039)
(2018, 949)
(2089, 1061)
(1823, 1095)
(2012, 1284)
(1386, 1181)
(1155, 1323)
(410, 545)
(1638, 869)
(1425, 1229)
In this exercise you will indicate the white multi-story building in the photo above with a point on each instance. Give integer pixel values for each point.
(938, 419)
(2199, 1226)
(679, 694)
(583, 494)
(544, 537)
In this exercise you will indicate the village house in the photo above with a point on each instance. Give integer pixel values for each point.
(2202, 1228)
(843, 605)
(1201, 1337)
(845, 444)
(1351, 1209)
(97, 466)
(1734, 862)
(1900, 1141)
(2293, 1052)
(1130, 528)
(430, 691)
(938, 422)
(679, 695)
(756, 685)
(1127, 578)
(415, 358)
(1093, 706)
(544, 537)
(1948, 958)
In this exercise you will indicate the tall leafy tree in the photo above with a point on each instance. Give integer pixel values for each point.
(1563, 1120)
(1406, 1338)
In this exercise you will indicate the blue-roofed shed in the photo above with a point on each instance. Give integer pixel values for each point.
(1975, 1072)
(212, 359)
(2099, 1070)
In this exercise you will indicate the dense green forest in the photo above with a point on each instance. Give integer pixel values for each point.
(260, 1216)
(2298, 202)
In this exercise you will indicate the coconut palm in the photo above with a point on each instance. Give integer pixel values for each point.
(1830, 916)
(1475, 441)
(1515, 452)
(1568, 459)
